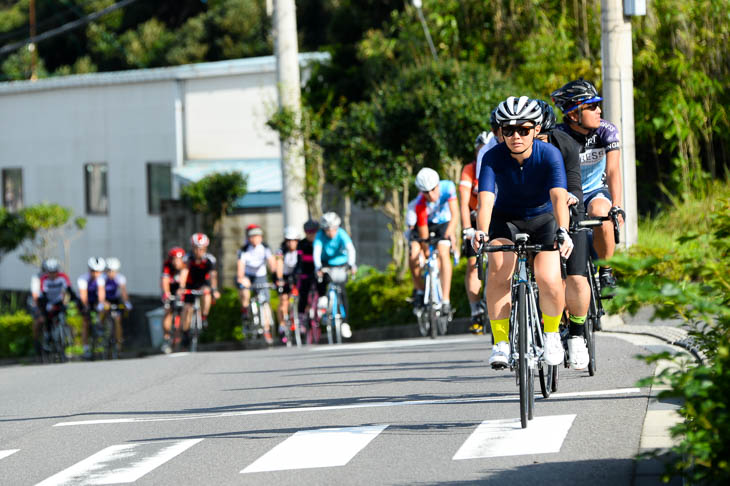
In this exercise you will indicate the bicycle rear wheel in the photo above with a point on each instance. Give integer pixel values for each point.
(522, 366)
(546, 374)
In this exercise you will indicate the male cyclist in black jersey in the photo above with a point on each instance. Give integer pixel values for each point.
(531, 198)
(600, 161)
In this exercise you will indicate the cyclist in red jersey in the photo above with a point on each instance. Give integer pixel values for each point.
(48, 291)
(202, 275)
(174, 276)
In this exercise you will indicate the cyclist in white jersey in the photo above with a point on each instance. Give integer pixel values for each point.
(255, 260)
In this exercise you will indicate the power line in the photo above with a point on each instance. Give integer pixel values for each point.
(65, 27)
(22, 31)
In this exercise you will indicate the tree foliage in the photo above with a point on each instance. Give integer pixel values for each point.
(52, 226)
(214, 194)
(13, 231)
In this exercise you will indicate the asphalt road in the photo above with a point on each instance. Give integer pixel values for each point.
(399, 412)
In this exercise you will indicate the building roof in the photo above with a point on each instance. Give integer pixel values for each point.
(264, 182)
(187, 71)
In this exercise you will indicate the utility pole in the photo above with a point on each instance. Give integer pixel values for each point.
(289, 87)
(618, 99)
(32, 47)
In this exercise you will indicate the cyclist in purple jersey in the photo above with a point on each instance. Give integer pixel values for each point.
(93, 297)
(600, 161)
(532, 199)
(115, 285)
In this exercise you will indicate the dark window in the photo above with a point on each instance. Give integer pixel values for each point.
(12, 180)
(97, 192)
(159, 185)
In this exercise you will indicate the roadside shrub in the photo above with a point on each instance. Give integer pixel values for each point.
(16, 334)
(695, 287)
(224, 321)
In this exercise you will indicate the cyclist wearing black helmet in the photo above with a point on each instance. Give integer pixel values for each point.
(577, 291)
(600, 160)
(305, 265)
(533, 199)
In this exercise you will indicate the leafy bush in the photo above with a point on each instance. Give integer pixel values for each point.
(224, 321)
(16, 334)
(691, 284)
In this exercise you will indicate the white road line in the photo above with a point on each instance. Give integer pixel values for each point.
(316, 448)
(9, 452)
(394, 344)
(499, 438)
(123, 463)
(271, 411)
(178, 355)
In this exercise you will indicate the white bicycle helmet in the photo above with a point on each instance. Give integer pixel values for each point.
(291, 233)
(481, 140)
(329, 220)
(516, 111)
(113, 264)
(50, 265)
(427, 179)
(96, 264)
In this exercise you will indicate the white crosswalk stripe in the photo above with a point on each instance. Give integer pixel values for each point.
(506, 437)
(317, 448)
(9, 452)
(123, 463)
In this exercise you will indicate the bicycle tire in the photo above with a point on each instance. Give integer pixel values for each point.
(530, 393)
(422, 318)
(195, 325)
(432, 318)
(522, 368)
(545, 373)
(591, 345)
(108, 343)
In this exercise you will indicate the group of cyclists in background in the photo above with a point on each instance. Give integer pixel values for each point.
(298, 266)
(102, 292)
(527, 172)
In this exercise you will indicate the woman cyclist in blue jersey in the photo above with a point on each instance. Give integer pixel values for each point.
(332, 248)
(532, 198)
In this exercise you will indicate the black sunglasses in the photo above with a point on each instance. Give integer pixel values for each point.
(523, 131)
(590, 107)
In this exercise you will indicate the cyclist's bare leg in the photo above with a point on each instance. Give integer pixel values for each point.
(187, 315)
(167, 323)
(501, 268)
(414, 262)
(245, 293)
(444, 248)
(549, 282)
(471, 280)
(577, 295)
(603, 239)
(205, 301)
(283, 311)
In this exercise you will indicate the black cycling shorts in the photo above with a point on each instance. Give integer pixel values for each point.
(577, 263)
(467, 248)
(542, 228)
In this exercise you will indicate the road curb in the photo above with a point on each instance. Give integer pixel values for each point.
(662, 414)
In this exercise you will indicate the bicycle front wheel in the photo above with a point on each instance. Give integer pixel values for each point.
(433, 317)
(591, 345)
(522, 366)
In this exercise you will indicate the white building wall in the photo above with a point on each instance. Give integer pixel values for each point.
(52, 134)
(225, 117)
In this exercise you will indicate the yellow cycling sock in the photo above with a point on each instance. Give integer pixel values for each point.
(500, 330)
(551, 323)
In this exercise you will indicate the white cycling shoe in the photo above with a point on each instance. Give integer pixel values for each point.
(578, 353)
(553, 353)
(500, 355)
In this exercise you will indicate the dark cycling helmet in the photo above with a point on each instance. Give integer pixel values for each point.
(574, 94)
(50, 265)
(548, 117)
(493, 120)
(311, 226)
(516, 111)
(481, 140)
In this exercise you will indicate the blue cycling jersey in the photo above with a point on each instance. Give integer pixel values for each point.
(524, 190)
(335, 251)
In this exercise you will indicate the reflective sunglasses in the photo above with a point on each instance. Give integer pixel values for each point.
(510, 131)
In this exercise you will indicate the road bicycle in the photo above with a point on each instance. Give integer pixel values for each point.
(259, 313)
(312, 315)
(196, 319)
(335, 314)
(595, 308)
(525, 326)
(104, 332)
(175, 304)
(57, 336)
(431, 320)
(291, 320)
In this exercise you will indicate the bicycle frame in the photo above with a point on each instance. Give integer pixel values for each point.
(336, 313)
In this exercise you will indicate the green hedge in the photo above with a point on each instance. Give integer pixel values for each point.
(16, 334)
